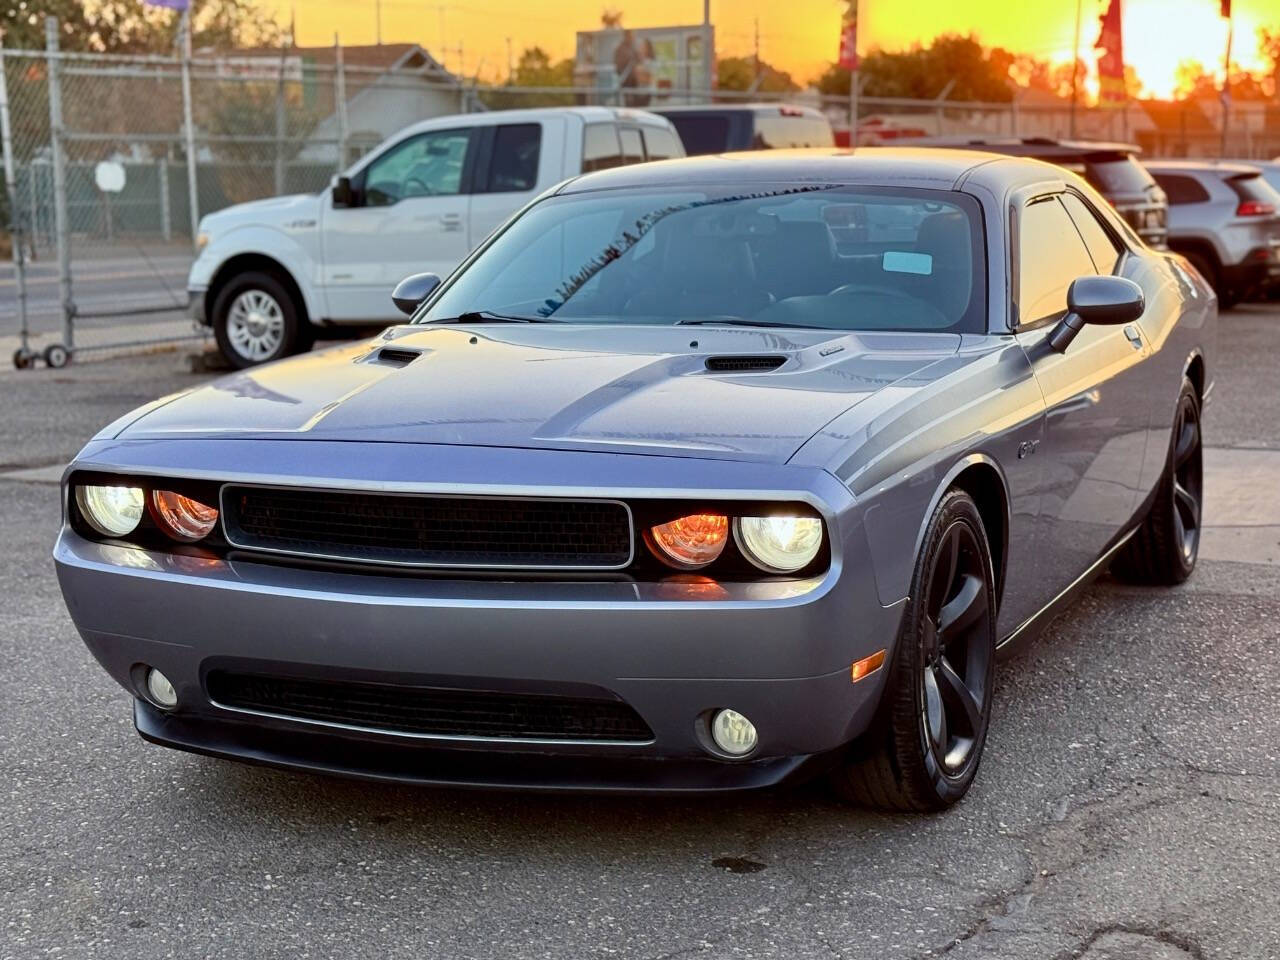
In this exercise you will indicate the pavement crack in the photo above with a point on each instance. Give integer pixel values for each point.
(1182, 942)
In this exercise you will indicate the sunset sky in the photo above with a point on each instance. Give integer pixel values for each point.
(796, 35)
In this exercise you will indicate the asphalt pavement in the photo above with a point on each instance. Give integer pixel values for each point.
(1127, 807)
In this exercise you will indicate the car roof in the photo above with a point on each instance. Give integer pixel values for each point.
(889, 166)
(1228, 167)
(793, 109)
(1035, 146)
(528, 114)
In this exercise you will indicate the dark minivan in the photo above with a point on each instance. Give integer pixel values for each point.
(1111, 168)
(726, 127)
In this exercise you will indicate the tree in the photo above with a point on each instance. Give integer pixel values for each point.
(1196, 83)
(739, 73)
(129, 26)
(924, 72)
(534, 69)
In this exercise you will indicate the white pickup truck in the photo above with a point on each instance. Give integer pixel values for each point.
(270, 273)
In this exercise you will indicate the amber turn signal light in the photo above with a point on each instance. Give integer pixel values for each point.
(866, 666)
(690, 542)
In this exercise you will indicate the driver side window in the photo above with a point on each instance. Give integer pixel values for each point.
(428, 165)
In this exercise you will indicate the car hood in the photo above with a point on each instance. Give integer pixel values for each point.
(274, 211)
(583, 387)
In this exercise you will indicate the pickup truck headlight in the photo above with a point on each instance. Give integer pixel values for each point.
(202, 241)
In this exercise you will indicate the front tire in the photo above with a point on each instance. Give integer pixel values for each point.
(1164, 550)
(255, 320)
(923, 749)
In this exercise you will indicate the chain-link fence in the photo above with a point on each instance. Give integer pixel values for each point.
(110, 160)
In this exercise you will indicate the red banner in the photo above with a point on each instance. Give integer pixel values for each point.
(849, 38)
(1111, 90)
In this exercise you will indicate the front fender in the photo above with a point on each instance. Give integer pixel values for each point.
(259, 240)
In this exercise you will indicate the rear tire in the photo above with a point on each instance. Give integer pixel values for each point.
(923, 749)
(1165, 548)
(256, 320)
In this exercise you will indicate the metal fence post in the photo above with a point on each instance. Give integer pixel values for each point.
(340, 102)
(59, 182)
(166, 218)
(280, 125)
(15, 228)
(188, 121)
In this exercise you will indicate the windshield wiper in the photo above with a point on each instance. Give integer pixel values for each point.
(484, 316)
(736, 322)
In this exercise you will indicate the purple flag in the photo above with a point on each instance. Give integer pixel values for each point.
(171, 4)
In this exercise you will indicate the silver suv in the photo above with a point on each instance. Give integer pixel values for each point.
(1225, 218)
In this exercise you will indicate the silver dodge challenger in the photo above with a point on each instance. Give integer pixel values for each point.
(700, 475)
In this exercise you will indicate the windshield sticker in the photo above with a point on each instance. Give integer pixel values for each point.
(899, 261)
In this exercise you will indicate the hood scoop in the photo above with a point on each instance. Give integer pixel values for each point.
(396, 356)
(743, 363)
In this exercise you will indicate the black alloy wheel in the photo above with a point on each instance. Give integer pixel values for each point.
(1165, 547)
(923, 749)
(955, 652)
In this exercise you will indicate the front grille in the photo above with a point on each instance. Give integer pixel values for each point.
(430, 711)
(430, 531)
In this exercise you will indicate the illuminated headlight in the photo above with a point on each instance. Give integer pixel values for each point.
(112, 511)
(782, 544)
(202, 241)
(182, 517)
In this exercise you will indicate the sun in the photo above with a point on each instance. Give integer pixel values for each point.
(1161, 34)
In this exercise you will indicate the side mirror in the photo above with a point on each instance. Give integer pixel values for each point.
(343, 195)
(1107, 300)
(412, 290)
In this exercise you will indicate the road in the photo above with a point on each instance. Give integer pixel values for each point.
(1128, 806)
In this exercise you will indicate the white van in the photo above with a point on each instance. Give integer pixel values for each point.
(271, 272)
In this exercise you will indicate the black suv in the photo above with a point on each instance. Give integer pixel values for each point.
(1111, 168)
(726, 127)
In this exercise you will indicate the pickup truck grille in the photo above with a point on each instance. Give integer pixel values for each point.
(429, 531)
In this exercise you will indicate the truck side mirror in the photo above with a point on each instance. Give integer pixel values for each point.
(343, 195)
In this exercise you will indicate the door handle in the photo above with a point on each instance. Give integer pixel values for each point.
(1134, 336)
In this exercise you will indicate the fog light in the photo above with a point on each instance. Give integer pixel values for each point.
(733, 733)
(161, 690)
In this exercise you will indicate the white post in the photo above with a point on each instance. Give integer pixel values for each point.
(853, 85)
(11, 185)
(707, 66)
(188, 119)
(59, 181)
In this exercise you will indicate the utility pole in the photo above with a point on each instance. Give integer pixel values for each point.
(706, 48)
(188, 115)
(1226, 78)
(377, 6)
(1075, 71)
(853, 81)
(511, 64)
(756, 53)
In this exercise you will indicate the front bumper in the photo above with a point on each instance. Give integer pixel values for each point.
(778, 652)
(195, 305)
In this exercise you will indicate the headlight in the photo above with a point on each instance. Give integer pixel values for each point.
(112, 511)
(690, 542)
(779, 544)
(182, 517)
(202, 241)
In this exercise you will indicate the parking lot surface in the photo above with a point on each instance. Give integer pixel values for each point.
(1128, 806)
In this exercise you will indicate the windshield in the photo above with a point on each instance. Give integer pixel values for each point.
(1122, 175)
(830, 256)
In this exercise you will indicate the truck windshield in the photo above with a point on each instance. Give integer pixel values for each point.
(818, 255)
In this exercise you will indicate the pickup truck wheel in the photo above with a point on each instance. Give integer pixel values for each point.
(255, 320)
